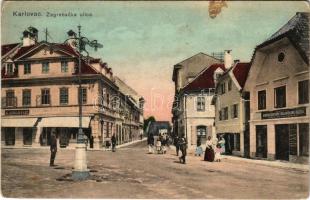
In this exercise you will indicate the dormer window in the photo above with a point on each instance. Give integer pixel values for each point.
(9, 68)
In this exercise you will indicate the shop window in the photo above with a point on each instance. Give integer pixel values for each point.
(9, 136)
(280, 97)
(261, 99)
(63, 96)
(304, 139)
(26, 97)
(45, 97)
(27, 136)
(200, 103)
(303, 92)
(220, 115)
(237, 142)
(27, 68)
(261, 141)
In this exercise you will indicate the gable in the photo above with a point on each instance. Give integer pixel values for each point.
(42, 51)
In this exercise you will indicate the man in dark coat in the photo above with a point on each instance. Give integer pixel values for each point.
(176, 144)
(150, 142)
(113, 140)
(53, 148)
(183, 147)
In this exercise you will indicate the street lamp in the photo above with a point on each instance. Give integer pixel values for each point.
(80, 171)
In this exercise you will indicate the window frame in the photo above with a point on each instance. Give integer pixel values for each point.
(45, 67)
(43, 96)
(261, 106)
(305, 97)
(27, 68)
(229, 85)
(201, 103)
(64, 68)
(11, 67)
(276, 97)
(63, 96)
(84, 95)
(24, 97)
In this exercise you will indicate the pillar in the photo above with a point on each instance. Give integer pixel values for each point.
(252, 140)
(37, 133)
(19, 137)
(271, 142)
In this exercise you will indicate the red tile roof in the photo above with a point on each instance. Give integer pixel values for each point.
(7, 47)
(22, 50)
(205, 79)
(240, 72)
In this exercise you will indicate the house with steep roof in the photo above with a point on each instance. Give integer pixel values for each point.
(40, 95)
(232, 109)
(191, 78)
(278, 83)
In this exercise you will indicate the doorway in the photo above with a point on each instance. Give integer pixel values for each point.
(261, 141)
(9, 136)
(282, 141)
(27, 136)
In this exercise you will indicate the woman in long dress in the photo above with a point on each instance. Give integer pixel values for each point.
(222, 143)
(209, 153)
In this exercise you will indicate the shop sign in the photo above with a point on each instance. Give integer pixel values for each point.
(16, 112)
(284, 113)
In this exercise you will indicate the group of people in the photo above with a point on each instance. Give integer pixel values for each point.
(161, 143)
(214, 149)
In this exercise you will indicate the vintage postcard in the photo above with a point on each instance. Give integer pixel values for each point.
(155, 99)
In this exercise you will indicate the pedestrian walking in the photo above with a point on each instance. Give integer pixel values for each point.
(183, 147)
(113, 140)
(53, 149)
(176, 144)
(209, 153)
(158, 146)
(150, 142)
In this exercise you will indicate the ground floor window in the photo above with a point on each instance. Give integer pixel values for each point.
(304, 139)
(27, 136)
(237, 142)
(261, 141)
(9, 136)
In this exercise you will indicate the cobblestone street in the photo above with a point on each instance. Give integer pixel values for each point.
(132, 173)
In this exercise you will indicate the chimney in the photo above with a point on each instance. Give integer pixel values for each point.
(228, 61)
(30, 36)
(72, 39)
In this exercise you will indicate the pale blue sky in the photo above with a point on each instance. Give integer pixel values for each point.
(143, 40)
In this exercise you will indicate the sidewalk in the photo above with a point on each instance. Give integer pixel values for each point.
(275, 163)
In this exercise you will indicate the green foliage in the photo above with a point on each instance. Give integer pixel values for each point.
(147, 121)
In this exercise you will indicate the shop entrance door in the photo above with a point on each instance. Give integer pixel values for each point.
(9, 136)
(27, 136)
(282, 141)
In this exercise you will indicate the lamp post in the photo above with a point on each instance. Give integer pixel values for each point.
(80, 171)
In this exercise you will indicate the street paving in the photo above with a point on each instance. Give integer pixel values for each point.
(131, 172)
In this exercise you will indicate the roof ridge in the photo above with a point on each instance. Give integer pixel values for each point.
(196, 55)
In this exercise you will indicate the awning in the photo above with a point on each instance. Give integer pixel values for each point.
(21, 122)
(68, 122)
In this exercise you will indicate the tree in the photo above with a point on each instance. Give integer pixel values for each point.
(147, 121)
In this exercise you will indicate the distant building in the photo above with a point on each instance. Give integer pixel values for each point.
(40, 95)
(159, 127)
(278, 83)
(232, 109)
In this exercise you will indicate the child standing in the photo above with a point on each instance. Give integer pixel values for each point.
(218, 153)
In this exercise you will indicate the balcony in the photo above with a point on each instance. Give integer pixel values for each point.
(9, 102)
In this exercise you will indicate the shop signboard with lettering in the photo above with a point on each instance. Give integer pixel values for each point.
(284, 113)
